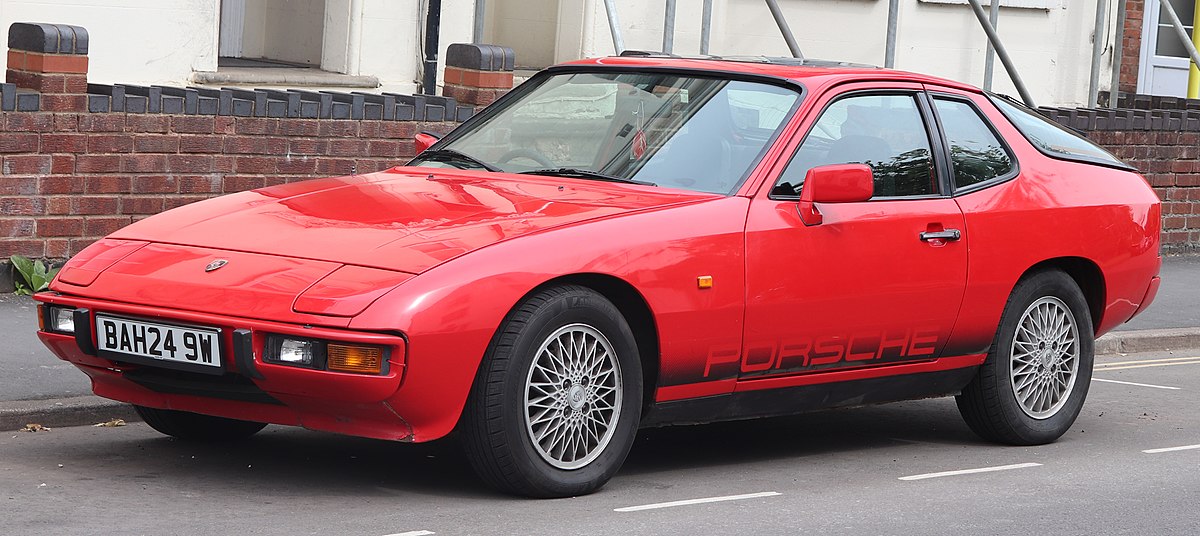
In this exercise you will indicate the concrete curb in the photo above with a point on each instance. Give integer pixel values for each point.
(1147, 340)
(87, 410)
(74, 411)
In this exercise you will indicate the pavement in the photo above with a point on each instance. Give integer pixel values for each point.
(37, 387)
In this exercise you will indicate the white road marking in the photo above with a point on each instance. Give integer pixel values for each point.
(1137, 384)
(1172, 449)
(1156, 363)
(1143, 361)
(413, 533)
(697, 501)
(970, 471)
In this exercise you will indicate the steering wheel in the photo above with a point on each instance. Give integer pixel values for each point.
(525, 152)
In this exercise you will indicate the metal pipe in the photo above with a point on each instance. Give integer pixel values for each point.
(1097, 50)
(669, 27)
(705, 26)
(1114, 86)
(433, 23)
(1002, 53)
(1179, 31)
(480, 11)
(614, 25)
(989, 58)
(889, 51)
(784, 29)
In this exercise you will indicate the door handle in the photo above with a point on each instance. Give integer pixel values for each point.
(948, 234)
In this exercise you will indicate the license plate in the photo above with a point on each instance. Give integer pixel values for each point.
(176, 344)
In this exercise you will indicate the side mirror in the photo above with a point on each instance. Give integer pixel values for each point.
(839, 183)
(424, 140)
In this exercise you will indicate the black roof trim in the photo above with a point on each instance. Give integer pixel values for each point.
(773, 60)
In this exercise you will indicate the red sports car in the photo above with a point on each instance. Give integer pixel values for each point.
(628, 242)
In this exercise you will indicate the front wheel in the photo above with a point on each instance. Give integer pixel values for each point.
(197, 427)
(1032, 385)
(557, 402)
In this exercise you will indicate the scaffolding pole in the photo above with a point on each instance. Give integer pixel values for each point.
(705, 27)
(477, 31)
(614, 25)
(989, 58)
(889, 52)
(1097, 50)
(1114, 85)
(784, 29)
(669, 27)
(1002, 52)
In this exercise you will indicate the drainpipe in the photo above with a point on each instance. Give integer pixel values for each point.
(354, 45)
(433, 23)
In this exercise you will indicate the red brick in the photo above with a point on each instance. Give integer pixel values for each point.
(334, 166)
(383, 148)
(141, 205)
(16, 227)
(200, 184)
(18, 185)
(57, 248)
(95, 205)
(245, 145)
(224, 164)
(143, 163)
(179, 201)
(59, 205)
(110, 143)
(189, 163)
(369, 129)
(200, 144)
(64, 103)
(485, 79)
(29, 122)
(59, 226)
(147, 123)
(338, 129)
(64, 143)
(11, 142)
(155, 184)
(189, 124)
(408, 149)
(256, 126)
(308, 146)
(303, 165)
(27, 164)
(255, 165)
(1188, 179)
(112, 122)
(22, 206)
(397, 130)
(66, 122)
(107, 184)
(89, 163)
(1173, 222)
(300, 127)
(104, 226)
(224, 124)
(156, 144)
(60, 184)
(373, 165)
(347, 147)
(239, 183)
(41, 82)
(28, 248)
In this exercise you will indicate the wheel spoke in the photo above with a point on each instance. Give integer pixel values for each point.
(1044, 357)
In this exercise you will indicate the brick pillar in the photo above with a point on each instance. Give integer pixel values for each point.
(52, 60)
(478, 74)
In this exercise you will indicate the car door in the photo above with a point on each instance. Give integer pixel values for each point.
(875, 283)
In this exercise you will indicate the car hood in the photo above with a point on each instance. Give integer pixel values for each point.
(404, 219)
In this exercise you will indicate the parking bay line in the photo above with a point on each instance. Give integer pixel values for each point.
(697, 501)
(1124, 365)
(1171, 449)
(1136, 384)
(413, 533)
(970, 471)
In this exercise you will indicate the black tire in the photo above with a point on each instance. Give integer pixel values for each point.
(990, 404)
(497, 435)
(197, 427)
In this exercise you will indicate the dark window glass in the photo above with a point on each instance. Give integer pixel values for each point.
(975, 152)
(1051, 138)
(883, 131)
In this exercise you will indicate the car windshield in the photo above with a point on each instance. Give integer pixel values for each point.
(666, 129)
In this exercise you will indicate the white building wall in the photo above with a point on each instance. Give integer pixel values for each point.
(132, 41)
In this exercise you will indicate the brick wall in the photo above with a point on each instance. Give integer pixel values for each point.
(1131, 47)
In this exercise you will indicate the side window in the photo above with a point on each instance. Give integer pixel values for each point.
(883, 131)
(975, 153)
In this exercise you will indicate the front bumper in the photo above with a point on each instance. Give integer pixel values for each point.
(248, 388)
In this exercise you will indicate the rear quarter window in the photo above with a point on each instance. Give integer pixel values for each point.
(1054, 140)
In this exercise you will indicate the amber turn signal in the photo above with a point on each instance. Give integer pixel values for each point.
(356, 359)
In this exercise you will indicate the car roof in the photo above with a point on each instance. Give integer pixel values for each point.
(814, 73)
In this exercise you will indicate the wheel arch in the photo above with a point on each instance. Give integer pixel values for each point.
(1086, 273)
(633, 306)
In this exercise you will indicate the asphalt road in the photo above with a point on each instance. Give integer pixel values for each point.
(841, 472)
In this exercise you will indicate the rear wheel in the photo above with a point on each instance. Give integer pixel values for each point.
(1032, 385)
(197, 427)
(557, 402)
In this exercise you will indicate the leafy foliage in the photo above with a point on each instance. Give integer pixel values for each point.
(35, 276)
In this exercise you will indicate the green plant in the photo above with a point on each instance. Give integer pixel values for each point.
(34, 274)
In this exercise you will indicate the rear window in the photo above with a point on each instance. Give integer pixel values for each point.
(1054, 140)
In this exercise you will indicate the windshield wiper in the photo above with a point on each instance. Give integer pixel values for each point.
(584, 174)
(451, 154)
